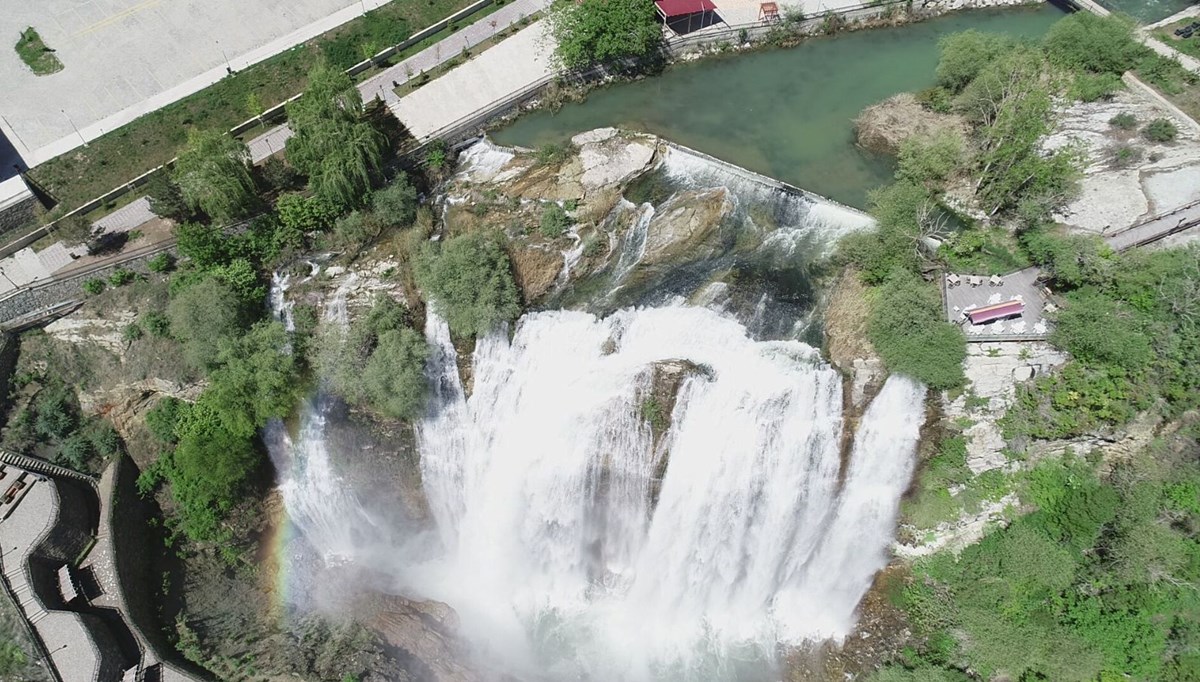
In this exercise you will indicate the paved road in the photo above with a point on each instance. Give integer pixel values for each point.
(384, 83)
(1156, 228)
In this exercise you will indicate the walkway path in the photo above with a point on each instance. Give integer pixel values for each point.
(1156, 228)
(506, 69)
(383, 84)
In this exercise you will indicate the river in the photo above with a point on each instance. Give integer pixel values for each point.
(785, 113)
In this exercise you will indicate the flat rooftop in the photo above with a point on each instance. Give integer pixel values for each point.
(124, 58)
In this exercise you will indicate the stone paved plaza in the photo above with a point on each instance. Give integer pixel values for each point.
(123, 58)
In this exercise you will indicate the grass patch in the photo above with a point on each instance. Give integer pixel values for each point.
(36, 55)
(153, 139)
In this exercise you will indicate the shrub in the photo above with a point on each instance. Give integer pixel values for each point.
(908, 330)
(1087, 42)
(552, 154)
(1098, 329)
(1126, 155)
(304, 214)
(469, 279)
(166, 199)
(356, 230)
(1160, 130)
(93, 286)
(279, 176)
(163, 262)
(1093, 87)
(157, 324)
(936, 99)
(965, 54)
(396, 204)
(1124, 121)
(931, 160)
(56, 412)
(131, 332)
(75, 452)
(202, 316)
(121, 277)
(554, 221)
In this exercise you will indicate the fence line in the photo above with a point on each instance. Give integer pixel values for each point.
(270, 114)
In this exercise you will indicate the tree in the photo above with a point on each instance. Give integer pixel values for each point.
(396, 204)
(257, 377)
(931, 160)
(593, 32)
(339, 152)
(469, 279)
(213, 174)
(1088, 42)
(965, 54)
(379, 362)
(202, 316)
(908, 330)
(304, 214)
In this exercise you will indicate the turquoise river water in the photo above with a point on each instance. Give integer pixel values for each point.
(785, 113)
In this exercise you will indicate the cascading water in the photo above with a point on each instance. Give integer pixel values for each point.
(585, 526)
(541, 483)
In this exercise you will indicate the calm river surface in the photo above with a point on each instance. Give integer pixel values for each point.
(786, 113)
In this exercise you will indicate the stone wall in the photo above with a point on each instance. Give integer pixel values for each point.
(9, 347)
(17, 216)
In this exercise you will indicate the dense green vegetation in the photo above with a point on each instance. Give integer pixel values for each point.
(254, 369)
(603, 32)
(213, 175)
(1096, 583)
(1094, 576)
(39, 58)
(380, 361)
(152, 140)
(52, 426)
(339, 151)
(469, 280)
(1130, 322)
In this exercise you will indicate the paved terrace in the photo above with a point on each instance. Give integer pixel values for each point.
(384, 84)
(126, 58)
(975, 291)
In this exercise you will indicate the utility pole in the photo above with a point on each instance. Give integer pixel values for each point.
(64, 113)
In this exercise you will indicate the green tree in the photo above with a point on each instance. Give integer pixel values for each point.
(469, 279)
(339, 152)
(379, 362)
(396, 204)
(1098, 329)
(257, 378)
(912, 337)
(213, 175)
(1087, 42)
(202, 316)
(965, 54)
(603, 31)
(356, 229)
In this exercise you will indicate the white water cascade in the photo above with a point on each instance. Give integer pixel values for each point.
(542, 484)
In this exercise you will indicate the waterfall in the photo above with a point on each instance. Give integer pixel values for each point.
(319, 503)
(541, 485)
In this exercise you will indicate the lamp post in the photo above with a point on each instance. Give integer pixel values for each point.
(228, 67)
(76, 129)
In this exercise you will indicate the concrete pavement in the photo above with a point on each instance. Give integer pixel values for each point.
(125, 58)
(383, 84)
